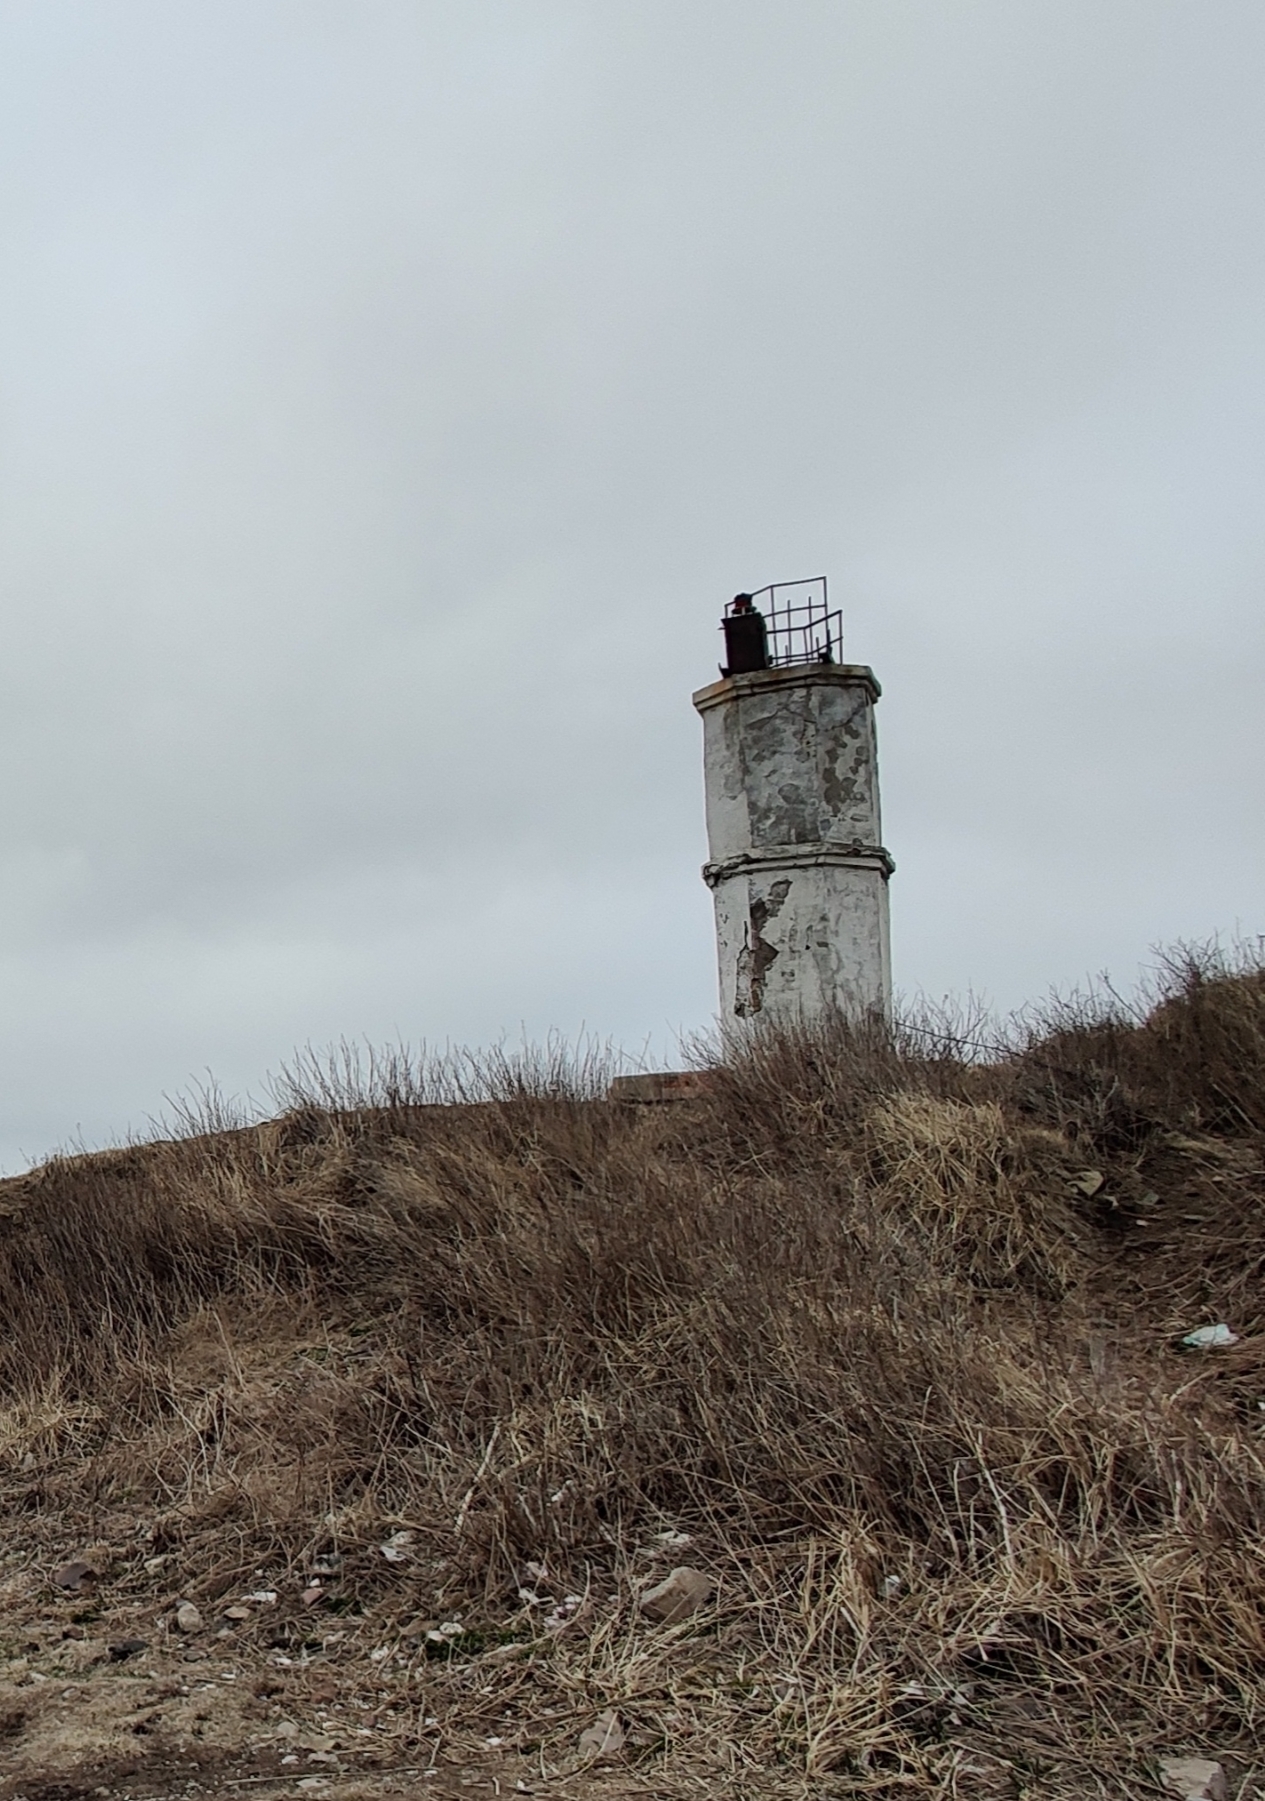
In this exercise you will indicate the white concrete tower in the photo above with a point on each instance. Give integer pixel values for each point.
(797, 867)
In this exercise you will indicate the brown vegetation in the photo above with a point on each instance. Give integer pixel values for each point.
(858, 1319)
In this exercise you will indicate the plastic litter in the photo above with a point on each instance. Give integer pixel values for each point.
(1210, 1338)
(1088, 1182)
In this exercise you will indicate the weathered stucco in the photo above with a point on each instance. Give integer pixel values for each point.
(797, 868)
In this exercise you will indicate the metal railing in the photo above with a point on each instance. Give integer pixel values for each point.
(799, 622)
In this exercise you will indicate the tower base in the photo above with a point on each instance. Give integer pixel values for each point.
(802, 934)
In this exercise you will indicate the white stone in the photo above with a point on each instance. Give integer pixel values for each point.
(604, 1738)
(796, 864)
(1196, 1778)
(678, 1595)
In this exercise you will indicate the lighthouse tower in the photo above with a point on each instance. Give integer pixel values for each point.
(796, 864)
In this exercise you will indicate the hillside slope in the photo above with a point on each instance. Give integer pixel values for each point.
(885, 1344)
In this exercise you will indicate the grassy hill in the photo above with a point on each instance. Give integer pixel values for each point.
(456, 1362)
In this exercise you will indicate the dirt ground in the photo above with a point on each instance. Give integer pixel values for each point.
(218, 1713)
(76, 1724)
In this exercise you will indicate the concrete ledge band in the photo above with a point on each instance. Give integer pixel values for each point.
(799, 675)
(801, 856)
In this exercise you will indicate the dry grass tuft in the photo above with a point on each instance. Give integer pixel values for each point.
(989, 1198)
(853, 1321)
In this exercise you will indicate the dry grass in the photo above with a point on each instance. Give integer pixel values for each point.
(847, 1320)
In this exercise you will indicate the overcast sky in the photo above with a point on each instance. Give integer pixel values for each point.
(391, 394)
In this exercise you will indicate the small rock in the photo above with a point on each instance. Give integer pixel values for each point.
(1195, 1778)
(75, 1576)
(124, 1648)
(188, 1618)
(570, 1611)
(604, 1738)
(194, 1654)
(678, 1595)
(312, 1595)
(237, 1613)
